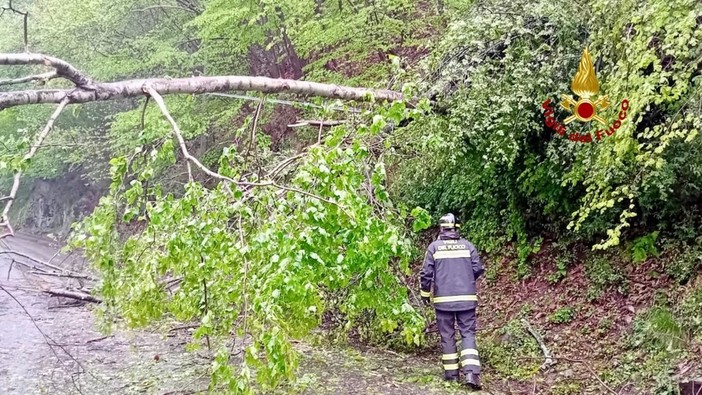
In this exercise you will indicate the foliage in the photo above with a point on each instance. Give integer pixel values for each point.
(689, 313)
(682, 261)
(660, 339)
(563, 315)
(658, 343)
(602, 274)
(488, 156)
(660, 329)
(422, 219)
(264, 263)
(643, 247)
(511, 351)
(562, 261)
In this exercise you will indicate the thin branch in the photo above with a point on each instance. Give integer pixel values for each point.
(39, 77)
(246, 269)
(39, 261)
(283, 164)
(207, 307)
(319, 123)
(547, 354)
(97, 339)
(186, 326)
(143, 112)
(190, 171)
(82, 296)
(252, 138)
(25, 16)
(9, 271)
(181, 141)
(184, 149)
(65, 275)
(63, 68)
(301, 192)
(16, 182)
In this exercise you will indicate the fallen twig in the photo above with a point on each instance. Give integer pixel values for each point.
(67, 305)
(98, 339)
(10, 269)
(181, 327)
(47, 264)
(73, 295)
(550, 361)
(66, 275)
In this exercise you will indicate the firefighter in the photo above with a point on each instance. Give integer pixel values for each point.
(452, 264)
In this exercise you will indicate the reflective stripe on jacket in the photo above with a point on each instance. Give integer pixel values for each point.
(452, 264)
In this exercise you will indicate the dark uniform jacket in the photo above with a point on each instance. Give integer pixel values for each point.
(453, 265)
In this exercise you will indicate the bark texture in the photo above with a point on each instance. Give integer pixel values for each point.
(86, 90)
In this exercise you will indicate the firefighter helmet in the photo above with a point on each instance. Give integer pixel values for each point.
(448, 221)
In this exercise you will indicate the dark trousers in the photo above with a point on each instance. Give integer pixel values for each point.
(453, 357)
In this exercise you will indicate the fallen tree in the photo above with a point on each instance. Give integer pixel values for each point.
(87, 90)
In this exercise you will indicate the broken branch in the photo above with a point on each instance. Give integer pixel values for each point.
(73, 295)
(63, 68)
(39, 261)
(16, 182)
(184, 149)
(550, 361)
(31, 78)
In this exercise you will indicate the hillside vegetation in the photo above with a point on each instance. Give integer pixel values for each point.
(329, 204)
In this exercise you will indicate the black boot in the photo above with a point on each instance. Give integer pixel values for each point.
(473, 381)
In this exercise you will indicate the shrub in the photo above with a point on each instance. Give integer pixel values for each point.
(659, 329)
(562, 315)
(602, 275)
(511, 351)
(683, 263)
(643, 247)
(690, 313)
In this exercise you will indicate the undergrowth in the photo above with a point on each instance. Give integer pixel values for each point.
(511, 351)
(661, 338)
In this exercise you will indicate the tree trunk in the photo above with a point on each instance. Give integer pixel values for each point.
(193, 85)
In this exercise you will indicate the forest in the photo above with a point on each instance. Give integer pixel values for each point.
(269, 174)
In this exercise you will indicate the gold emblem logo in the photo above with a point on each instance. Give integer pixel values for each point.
(585, 109)
(586, 86)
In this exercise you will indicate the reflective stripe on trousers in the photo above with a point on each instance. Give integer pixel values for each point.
(451, 358)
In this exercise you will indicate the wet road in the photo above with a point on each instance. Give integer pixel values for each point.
(81, 360)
